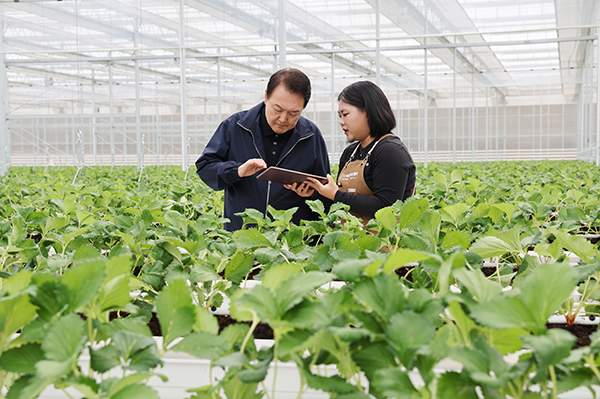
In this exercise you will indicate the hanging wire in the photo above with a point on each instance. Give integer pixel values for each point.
(47, 159)
(187, 159)
(142, 166)
(80, 154)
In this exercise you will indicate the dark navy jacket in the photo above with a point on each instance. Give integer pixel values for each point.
(239, 139)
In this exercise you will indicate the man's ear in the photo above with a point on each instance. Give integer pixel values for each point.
(266, 97)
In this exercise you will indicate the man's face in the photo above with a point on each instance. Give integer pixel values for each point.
(283, 109)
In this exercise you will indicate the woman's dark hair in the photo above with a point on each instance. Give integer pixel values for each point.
(368, 97)
(294, 80)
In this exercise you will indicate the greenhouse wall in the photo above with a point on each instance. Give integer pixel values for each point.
(501, 133)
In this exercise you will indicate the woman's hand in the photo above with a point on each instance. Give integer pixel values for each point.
(326, 190)
(302, 189)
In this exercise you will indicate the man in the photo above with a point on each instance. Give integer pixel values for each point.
(273, 133)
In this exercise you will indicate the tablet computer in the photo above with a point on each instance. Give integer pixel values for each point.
(287, 176)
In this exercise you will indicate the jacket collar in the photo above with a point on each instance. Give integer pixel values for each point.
(251, 123)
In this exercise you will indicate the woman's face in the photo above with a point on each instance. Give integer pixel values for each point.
(354, 123)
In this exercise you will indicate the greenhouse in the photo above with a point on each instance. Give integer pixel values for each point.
(146, 253)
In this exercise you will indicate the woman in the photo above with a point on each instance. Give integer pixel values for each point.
(376, 169)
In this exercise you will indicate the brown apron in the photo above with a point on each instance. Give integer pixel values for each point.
(351, 178)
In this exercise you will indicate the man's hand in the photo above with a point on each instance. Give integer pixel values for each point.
(302, 189)
(251, 166)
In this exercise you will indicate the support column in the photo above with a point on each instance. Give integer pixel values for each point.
(183, 90)
(598, 101)
(378, 43)
(454, 106)
(112, 117)
(333, 111)
(487, 124)
(138, 120)
(94, 138)
(282, 35)
(5, 149)
(426, 106)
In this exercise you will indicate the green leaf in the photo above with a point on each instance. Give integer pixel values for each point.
(546, 289)
(316, 206)
(236, 389)
(394, 383)
(28, 387)
(206, 321)
(374, 356)
(503, 207)
(541, 294)
(293, 290)
(307, 314)
(239, 266)
(203, 345)
(54, 224)
(62, 346)
(65, 338)
(175, 310)
(18, 282)
(507, 340)
(333, 384)
(104, 359)
(136, 391)
(463, 322)
(482, 289)
(275, 275)
(19, 233)
(402, 257)
(383, 294)
(259, 300)
(578, 245)
(429, 225)
(550, 348)
(234, 359)
(130, 385)
(22, 359)
(351, 270)
(504, 312)
(202, 272)
(252, 238)
(407, 333)
(134, 325)
(137, 352)
(411, 213)
(452, 385)
(368, 243)
(15, 313)
(386, 217)
(83, 280)
(456, 238)
(454, 213)
(490, 246)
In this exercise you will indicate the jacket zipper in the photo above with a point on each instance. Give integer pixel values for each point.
(258, 152)
(280, 159)
(294, 146)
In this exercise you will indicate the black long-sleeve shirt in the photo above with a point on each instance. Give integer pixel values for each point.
(389, 173)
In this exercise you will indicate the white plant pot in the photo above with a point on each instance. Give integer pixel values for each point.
(186, 372)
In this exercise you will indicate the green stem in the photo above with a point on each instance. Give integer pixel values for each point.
(592, 364)
(265, 390)
(255, 321)
(277, 338)
(2, 375)
(554, 382)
